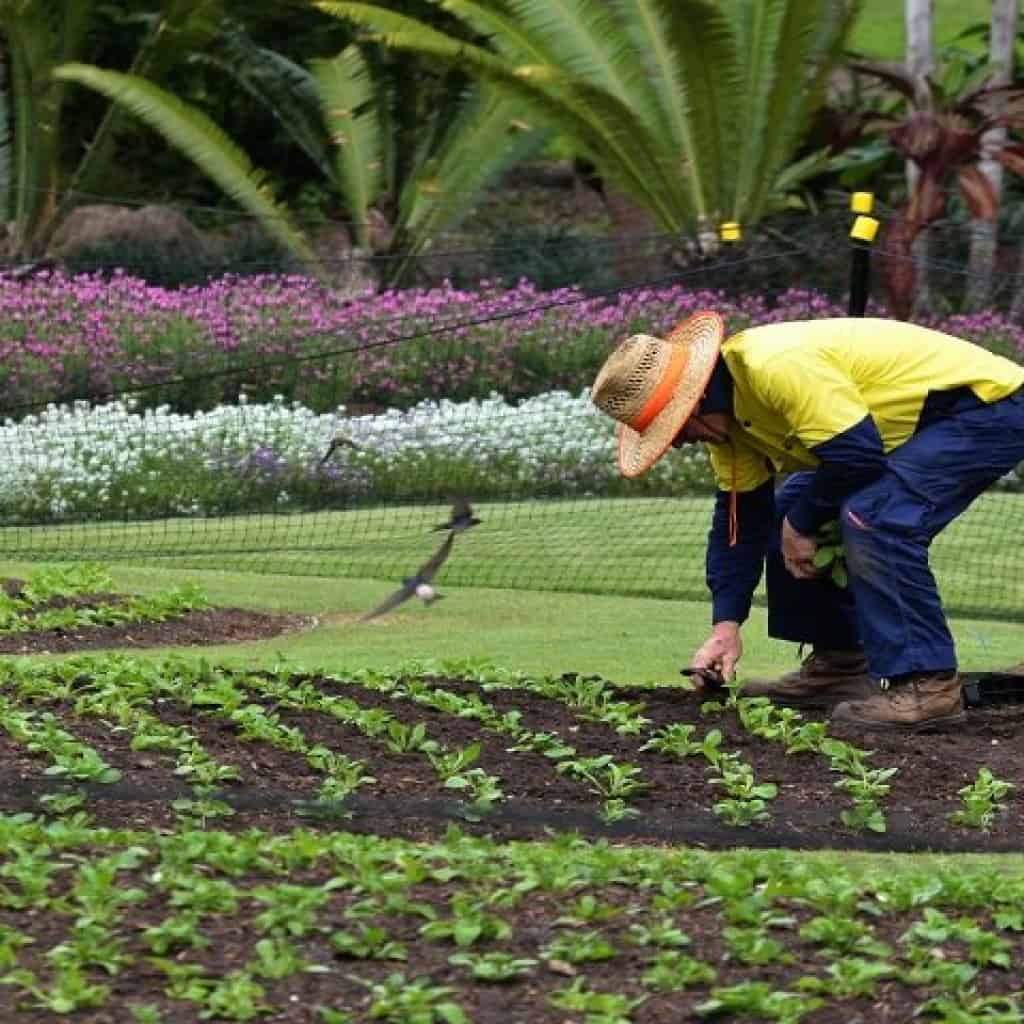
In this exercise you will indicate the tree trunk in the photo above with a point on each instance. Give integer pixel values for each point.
(984, 234)
(6, 138)
(920, 61)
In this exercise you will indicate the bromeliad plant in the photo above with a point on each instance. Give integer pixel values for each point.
(946, 131)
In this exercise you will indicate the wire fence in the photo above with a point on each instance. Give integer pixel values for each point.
(277, 425)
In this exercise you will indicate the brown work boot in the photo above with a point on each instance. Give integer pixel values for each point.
(824, 679)
(926, 700)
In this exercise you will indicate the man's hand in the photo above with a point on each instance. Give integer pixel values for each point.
(798, 552)
(721, 650)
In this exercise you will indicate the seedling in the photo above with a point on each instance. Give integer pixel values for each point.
(829, 556)
(982, 800)
(673, 971)
(606, 1007)
(399, 999)
(579, 947)
(368, 943)
(493, 967)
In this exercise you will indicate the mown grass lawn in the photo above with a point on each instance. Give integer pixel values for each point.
(637, 547)
(880, 32)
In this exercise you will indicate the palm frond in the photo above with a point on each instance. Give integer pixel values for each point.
(603, 126)
(589, 40)
(507, 37)
(661, 102)
(802, 57)
(181, 29)
(194, 134)
(699, 83)
(286, 89)
(485, 140)
(761, 42)
(347, 98)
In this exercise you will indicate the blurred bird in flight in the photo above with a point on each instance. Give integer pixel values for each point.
(341, 441)
(418, 585)
(462, 517)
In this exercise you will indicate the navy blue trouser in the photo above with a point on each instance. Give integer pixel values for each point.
(891, 607)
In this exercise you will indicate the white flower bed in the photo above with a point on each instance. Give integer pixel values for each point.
(81, 462)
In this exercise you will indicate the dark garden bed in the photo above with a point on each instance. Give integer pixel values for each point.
(673, 799)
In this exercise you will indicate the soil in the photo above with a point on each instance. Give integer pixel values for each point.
(277, 792)
(408, 800)
(194, 629)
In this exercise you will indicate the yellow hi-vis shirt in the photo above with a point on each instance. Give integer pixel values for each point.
(799, 384)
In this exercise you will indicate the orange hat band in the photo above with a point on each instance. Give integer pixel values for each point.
(663, 392)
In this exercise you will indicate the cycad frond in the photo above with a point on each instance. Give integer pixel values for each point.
(485, 139)
(180, 29)
(601, 124)
(507, 37)
(800, 56)
(194, 134)
(694, 69)
(286, 89)
(589, 41)
(353, 123)
(765, 20)
(658, 91)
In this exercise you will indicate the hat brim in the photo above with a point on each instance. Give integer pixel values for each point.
(702, 334)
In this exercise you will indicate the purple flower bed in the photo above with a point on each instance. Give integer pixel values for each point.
(193, 348)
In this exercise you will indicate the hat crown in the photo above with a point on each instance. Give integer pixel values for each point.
(630, 375)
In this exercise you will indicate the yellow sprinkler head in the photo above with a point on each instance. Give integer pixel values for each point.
(730, 231)
(864, 229)
(862, 202)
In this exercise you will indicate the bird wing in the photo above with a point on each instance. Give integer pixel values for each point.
(436, 559)
(392, 602)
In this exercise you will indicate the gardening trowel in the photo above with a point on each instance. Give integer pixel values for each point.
(710, 677)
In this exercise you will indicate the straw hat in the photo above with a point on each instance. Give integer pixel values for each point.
(652, 386)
